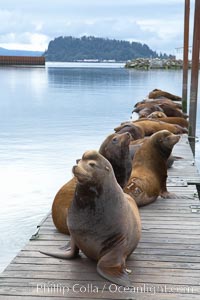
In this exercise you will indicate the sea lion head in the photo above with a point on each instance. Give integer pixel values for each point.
(116, 149)
(135, 131)
(139, 103)
(165, 140)
(92, 169)
(146, 111)
(115, 145)
(157, 115)
(179, 129)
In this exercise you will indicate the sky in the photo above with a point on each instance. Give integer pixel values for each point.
(31, 25)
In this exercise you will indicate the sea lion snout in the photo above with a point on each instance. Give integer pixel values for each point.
(125, 138)
(79, 172)
(173, 139)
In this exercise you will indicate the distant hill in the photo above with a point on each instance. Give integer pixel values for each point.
(91, 48)
(4, 51)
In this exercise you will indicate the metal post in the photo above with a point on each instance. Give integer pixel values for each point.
(185, 54)
(194, 76)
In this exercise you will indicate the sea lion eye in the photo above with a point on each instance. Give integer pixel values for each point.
(137, 191)
(115, 140)
(92, 164)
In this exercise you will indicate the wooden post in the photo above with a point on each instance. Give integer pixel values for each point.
(185, 54)
(194, 76)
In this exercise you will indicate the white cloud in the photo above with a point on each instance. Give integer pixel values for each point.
(24, 41)
(33, 24)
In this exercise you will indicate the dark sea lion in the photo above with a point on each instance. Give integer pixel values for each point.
(116, 149)
(146, 111)
(170, 111)
(135, 132)
(157, 102)
(151, 126)
(150, 107)
(149, 173)
(103, 221)
(156, 93)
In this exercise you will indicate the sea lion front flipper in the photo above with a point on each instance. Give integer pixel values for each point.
(168, 195)
(112, 267)
(72, 252)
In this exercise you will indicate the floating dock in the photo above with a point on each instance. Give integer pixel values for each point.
(22, 60)
(165, 265)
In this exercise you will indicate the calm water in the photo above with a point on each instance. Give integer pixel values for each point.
(48, 118)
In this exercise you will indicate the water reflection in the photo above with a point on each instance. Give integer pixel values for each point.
(48, 118)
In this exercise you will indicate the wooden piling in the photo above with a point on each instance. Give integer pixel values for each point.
(194, 76)
(185, 55)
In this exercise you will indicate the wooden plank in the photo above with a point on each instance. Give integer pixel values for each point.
(87, 268)
(136, 293)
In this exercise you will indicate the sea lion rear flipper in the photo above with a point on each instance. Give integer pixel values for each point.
(66, 247)
(112, 267)
(72, 251)
(168, 195)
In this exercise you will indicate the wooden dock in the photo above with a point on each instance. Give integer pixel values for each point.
(8, 60)
(165, 265)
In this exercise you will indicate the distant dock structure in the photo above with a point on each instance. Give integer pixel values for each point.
(6, 60)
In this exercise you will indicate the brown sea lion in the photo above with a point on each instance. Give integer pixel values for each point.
(156, 93)
(136, 132)
(116, 149)
(157, 115)
(174, 120)
(135, 145)
(151, 126)
(149, 173)
(61, 205)
(103, 221)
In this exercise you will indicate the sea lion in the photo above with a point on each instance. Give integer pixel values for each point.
(170, 111)
(151, 126)
(135, 131)
(146, 110)
(61, 204)
(173, 120)
(135, 145)
(103, 221)
(149, 173)
(157, 115)
(116, 149)
(158, 101)
(156, 93)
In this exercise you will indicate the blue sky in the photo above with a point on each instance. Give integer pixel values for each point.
(31, 25)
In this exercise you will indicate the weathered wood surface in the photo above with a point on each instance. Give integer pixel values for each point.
(165, 265)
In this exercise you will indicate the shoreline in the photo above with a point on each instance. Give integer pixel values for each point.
(156, 63)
